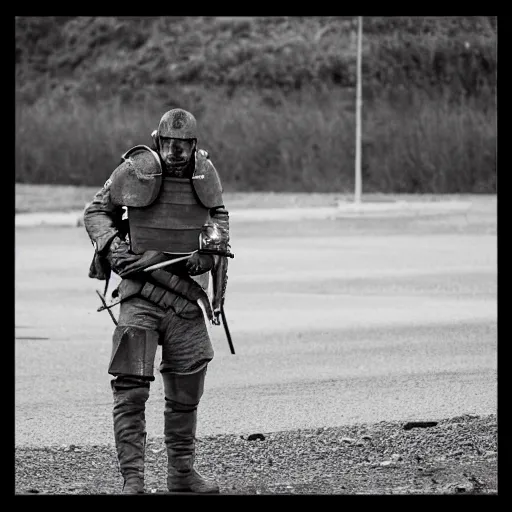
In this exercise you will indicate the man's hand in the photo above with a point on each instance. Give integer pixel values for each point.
(124, 262)
(199, 264)
(120, 256)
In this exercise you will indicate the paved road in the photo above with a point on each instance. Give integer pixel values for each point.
(334, 322)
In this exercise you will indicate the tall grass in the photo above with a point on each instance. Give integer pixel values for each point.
(302, 141)
(431, 145)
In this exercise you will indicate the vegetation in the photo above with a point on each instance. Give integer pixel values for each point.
(274, 98)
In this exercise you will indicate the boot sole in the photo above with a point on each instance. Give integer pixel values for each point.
(187, 493)
(191, 492)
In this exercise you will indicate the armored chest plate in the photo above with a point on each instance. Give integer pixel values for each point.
(172, 223)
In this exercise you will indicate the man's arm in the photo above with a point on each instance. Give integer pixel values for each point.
(102, 221)
(220, 216)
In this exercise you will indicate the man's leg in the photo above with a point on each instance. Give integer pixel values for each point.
(182, 396)
(132, 361)
(186, 351)
(130, 396)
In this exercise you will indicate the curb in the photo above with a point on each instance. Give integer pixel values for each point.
(343, 210)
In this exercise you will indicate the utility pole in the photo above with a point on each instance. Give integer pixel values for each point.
(359, 104)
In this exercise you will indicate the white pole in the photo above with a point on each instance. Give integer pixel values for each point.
(359, 103)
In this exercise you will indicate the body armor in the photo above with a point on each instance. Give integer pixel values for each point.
(172, 223)
(165, 214)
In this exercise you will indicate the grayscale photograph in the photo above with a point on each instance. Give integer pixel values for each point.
(255, 255)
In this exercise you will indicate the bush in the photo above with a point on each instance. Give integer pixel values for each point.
(302, 141)
(290, 52)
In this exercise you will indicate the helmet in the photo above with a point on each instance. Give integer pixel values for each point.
(178, 124)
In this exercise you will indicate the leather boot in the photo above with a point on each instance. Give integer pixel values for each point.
(182, 395)
(130, 396)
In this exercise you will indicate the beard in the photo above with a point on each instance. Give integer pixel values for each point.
(180, 170)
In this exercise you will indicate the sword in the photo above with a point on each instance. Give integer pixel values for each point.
(181, 258)
(210, 242)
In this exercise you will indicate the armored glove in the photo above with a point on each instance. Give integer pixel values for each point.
(120, 256)
(124, 262)
(199, 264)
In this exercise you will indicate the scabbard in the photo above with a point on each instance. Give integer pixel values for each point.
(226, 329)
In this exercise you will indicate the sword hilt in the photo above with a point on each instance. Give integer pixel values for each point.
(228, 254)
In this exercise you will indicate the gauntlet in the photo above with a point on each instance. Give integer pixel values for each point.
(199, 264)
(120, 256)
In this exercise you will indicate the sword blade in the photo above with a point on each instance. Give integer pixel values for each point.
(167, 263)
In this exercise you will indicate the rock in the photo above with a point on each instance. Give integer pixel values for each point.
(386, 463)
(366, 437)
(396, 456)
(459, 487)
(254, 437)
(347, 440)
(419, 424)
(477, 483)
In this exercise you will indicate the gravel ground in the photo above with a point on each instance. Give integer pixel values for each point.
(454, 456)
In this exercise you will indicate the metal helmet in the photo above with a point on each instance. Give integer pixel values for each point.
(178, 124)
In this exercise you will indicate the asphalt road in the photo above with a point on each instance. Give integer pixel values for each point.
(334, 322)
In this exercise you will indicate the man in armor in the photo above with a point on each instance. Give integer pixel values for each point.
(155, 207)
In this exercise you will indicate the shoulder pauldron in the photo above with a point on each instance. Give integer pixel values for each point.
(137, 179)
(206, 181)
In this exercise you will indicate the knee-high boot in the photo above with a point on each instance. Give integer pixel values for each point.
(182, 395)
(130, 396)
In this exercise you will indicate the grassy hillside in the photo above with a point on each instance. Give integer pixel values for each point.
(274, 98)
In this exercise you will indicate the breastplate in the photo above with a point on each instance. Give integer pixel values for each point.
(172, 223)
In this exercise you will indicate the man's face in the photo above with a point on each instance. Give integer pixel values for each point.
(176, 152)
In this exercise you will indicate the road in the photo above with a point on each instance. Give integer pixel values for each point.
(334, 322)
